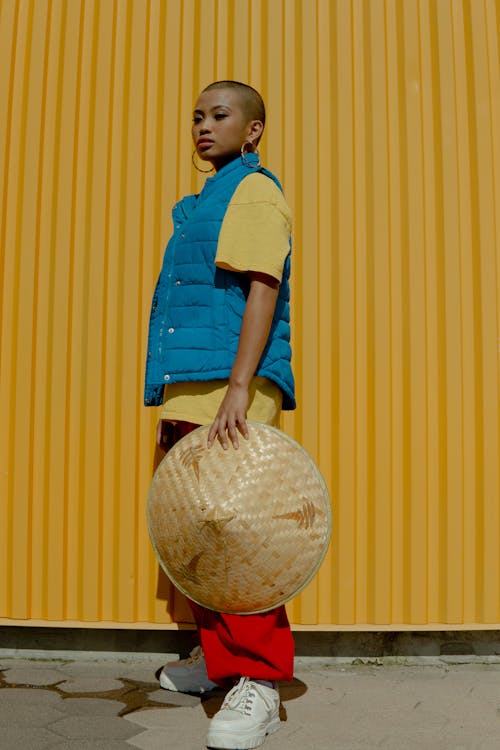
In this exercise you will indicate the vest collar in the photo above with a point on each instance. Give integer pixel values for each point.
(232, 166)
(185, 207)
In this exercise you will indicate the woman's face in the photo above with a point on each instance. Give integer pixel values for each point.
(220, 126)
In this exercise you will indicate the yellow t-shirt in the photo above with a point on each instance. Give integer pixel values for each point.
(254, 236)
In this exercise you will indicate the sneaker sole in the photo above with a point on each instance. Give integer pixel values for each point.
(226, 741)
(167, 684)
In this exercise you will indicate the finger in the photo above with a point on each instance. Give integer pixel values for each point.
(222, 435)
(243, 427)
(212, 433)
(233, 435)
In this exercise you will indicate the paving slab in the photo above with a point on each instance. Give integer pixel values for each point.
(92, 745)
(24, 714)
(174, 699)
(186, 730)
(94, 728)
(16, 738)
(153, 718)
(32, 696)
(33, 676)
(180, 738)
(90, 685)
(139, 674)
(155, 739)
(92, 707)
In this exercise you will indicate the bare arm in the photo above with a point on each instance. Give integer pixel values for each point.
(255, 327)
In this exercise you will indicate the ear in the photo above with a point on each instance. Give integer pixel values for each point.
(255, 128)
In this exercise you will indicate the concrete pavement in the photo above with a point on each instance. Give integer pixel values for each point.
(117, 705)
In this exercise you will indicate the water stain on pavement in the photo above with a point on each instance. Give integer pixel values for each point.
(133, 693)
(136, 695)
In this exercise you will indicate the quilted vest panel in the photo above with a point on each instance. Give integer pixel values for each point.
(197, 308)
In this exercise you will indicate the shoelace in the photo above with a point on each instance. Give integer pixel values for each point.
(240, 698)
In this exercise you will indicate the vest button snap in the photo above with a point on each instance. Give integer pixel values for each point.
(177, 283)
(167, 377)
(171, 330)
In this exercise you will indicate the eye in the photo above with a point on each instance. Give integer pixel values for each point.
(196, 119)
(220, 115)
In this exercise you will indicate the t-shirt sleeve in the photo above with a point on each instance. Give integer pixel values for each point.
(255, 232)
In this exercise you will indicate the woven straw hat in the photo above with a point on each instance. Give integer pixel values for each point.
(239, 531)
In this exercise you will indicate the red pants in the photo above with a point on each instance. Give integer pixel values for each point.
(259, 646)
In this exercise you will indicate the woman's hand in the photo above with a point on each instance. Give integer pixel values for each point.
(256, 324)
(231, 417)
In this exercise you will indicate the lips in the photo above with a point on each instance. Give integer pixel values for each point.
(204, 143)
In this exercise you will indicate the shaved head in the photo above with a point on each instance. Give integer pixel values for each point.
(251, 101)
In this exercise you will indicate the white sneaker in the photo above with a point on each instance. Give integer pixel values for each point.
(187, 675)
(250, 712)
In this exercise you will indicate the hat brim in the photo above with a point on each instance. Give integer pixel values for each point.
(239, 531)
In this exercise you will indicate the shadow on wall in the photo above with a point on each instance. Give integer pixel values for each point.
(398, 644)
(176, 604)
(318, 644)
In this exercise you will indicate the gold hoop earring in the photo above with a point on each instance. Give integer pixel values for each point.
(203, 171)
(247, 162)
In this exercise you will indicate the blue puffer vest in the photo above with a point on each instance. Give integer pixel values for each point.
(198, 308)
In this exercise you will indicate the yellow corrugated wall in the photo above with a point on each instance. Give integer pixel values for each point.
(384, 124)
